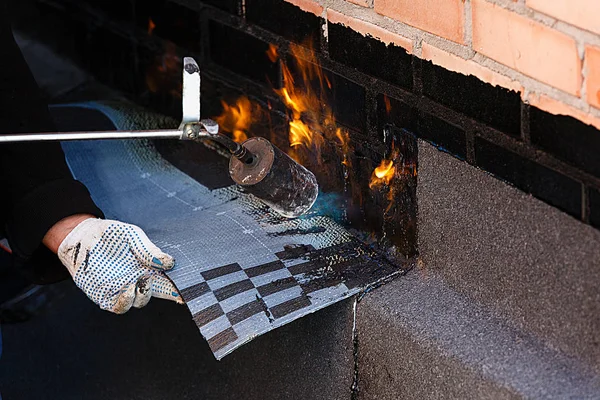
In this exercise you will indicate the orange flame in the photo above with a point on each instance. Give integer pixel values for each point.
(237, 118)
(383, 174)
(299, 133)
(164, 75)
(311, 120)
(151, 26)
(388, 105)
(304, 93)
(344, 139)
(272, 53)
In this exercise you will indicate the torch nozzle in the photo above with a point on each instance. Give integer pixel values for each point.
(209, 129)
(236, 149)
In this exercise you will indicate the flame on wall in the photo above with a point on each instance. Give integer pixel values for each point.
(238, 118)
(272, 53)
(388, 105)
(151, 26)
(304, 94)
(383, 174)
(312, 127)
(163, 75)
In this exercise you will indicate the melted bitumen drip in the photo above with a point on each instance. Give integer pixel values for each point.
(352, 262)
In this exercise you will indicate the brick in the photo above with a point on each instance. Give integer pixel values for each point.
(369, 29)
(467, 67)
(348, 102)
(363, 3)
(526, 46)
(294, 22)
(443, 135)
(393, 64)
(233, 6)
(171, 21)
(567, 139)
(441, 17)
(308, 6)
(113, 60)
(117, 9)
(592, 84)
(250, 58)
(497, 107)
(397, 113)
(158, 78)
(581, 13)
(545, 184)
(346, 98)
(557, 107)
(594, 200)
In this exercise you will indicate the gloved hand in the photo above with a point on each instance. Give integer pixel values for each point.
(116, 265)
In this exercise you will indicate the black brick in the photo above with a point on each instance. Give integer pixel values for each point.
(233, 6)
(285, 19)
(495, 106)
(159, 77)
(172, 21)
(348, 102)
(529, 176)
(397, 113)
(346, 98)
(121, 10)
(594, 201)
(567, 139)
(371, 56)
(443, 135)
(112, 60)
(241, 53)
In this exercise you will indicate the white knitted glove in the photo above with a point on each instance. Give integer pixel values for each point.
(116, 265)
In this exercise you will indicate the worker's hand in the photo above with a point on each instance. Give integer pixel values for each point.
(116, 265)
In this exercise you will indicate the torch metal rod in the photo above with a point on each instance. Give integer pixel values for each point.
(92, 135)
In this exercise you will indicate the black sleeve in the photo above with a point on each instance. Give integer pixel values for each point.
(38, 188)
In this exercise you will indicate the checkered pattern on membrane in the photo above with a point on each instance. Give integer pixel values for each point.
(241, 269)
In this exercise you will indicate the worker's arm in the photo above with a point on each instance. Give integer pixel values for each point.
(46, 212)
(38, 189)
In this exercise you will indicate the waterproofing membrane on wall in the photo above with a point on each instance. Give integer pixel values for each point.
(241, 269)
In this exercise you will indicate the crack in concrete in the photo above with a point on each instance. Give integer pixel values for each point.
(354, 389)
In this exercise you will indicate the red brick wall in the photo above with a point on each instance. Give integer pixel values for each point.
(548, 50)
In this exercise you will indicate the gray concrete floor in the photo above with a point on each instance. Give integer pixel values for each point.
(77, 351)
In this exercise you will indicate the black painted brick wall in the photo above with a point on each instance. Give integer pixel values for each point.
(241, 53)
(371, 56)
(497, 107)
(296, 25)
(554, 158)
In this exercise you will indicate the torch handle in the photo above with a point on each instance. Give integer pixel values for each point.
(92, 135)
